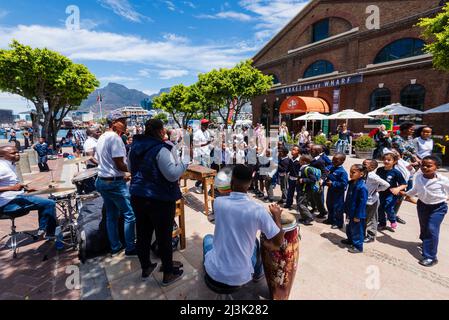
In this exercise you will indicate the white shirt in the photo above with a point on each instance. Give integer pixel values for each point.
(201, 137)
(8, 177)
(91, 146)
(423, 147)
(237, 221)
(375, 184)
(110, 146)
(402, 167)
(430, 191)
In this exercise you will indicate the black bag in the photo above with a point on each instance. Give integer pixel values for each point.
(92, 234)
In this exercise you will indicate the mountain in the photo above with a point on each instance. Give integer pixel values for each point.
(163, 90)
(114, 96)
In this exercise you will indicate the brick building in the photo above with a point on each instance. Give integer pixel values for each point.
(330, 51)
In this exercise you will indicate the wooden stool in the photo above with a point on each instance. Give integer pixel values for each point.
(207, 177)
(180, 214)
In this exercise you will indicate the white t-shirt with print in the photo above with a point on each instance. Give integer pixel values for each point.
(110, 146)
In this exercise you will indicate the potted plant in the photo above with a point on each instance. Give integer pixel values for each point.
(364, 147)
(439, 148)
(320, 140)
(332, 144)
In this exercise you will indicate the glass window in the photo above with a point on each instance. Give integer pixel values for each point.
(318, 68)
(380, 98)
(275, 79)
(320, 30)
(400, 49)
(413, 96)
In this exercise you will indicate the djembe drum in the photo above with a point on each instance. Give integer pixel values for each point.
(280, 265)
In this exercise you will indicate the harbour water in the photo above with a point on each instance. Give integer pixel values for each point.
(19, 134)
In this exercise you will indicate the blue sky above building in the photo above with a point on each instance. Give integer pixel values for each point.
(146, 44)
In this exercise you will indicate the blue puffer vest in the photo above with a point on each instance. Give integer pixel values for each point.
(147, 180)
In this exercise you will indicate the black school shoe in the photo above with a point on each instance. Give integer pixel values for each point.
(399, 220)
(173, 277)
(346, 242)
(147, 272)
(428, 262)
(354, 250)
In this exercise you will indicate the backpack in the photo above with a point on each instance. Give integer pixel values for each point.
(317, 174)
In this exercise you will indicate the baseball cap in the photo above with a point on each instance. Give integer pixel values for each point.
(204, 121)
(115, 115)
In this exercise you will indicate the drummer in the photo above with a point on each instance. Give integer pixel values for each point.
(90, 146)
(12, 193)
(232, 255)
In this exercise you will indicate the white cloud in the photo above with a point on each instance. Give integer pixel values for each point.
(170, 74)
(14, 102)
(124, 9)
(88, 45)
(189, 4)
(230, 15)
(145, 73)
(150, 92)
(116, 78)
(170, 5)
(89, 24)
(3, 13)
(175, 38)
(273, 15)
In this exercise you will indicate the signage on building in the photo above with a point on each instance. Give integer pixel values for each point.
(343, 81)
(336, 101)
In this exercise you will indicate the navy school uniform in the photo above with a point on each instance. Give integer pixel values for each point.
(283, 175)
(355, 207)
(317, 198)
(294, 168)
(335, 201)
(387, 200)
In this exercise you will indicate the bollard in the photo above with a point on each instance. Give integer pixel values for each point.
(19, 173)
(24, 163)
(32, 157)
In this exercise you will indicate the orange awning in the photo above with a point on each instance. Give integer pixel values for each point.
(301, 105)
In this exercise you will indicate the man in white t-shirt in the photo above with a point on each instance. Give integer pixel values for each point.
(202, 148)
(232, 255)
(111, 184)
(90, 146)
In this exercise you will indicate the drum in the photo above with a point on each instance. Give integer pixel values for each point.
(280, 265)
(85, 181)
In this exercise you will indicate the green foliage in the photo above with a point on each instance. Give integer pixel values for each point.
(365, 143)
(237, 86)
(321, 140)
(45, 77)
(436, 29)
(334, 139)
(162, 116)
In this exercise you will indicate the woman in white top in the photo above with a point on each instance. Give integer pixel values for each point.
(283, 132)
(304, 137)
(423, 143)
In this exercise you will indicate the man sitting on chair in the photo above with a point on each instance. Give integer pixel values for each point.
(12, 198)
(232, 255)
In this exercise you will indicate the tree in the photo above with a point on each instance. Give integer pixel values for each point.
(436, 29)
(161, 116)
(52, 82)
(181, 102)
(230, 89)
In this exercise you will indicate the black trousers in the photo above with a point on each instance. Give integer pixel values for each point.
(153, 215)
(317, 201)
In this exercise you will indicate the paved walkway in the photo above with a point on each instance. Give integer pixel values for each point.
(388, 269)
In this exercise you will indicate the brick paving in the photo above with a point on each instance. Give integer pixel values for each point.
(39, 271)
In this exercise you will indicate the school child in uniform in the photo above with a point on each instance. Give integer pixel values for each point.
(432, 190)
(293, 173)
(389, 197)
(306, 182)
(355, 208)
(317, 198)
(374, 184)
(42, 151)
(337, 182)
(267, 171)
(283, 173)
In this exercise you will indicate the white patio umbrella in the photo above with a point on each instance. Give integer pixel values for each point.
(441, 109)
(312, 116)
(395, 109)
(348, 114)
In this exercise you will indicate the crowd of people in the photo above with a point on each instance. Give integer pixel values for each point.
(139, 172)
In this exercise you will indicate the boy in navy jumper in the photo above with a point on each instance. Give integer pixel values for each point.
(355, 208)
(293, 174)
(337, 182)
(283, 165)
(42, 153)
(306, 181)
(320, 163)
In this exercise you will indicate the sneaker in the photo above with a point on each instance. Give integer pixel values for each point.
(172, 277)
(308, 222)
(369, 240)
(399, 220)
(428, 262)
(354, 250)
(393, 225)
(131, 253)
(40, 233)
(146, 273)
(334, 227)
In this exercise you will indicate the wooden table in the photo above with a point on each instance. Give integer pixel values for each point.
(207, 177)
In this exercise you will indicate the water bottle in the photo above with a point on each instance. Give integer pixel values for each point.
(59, 239)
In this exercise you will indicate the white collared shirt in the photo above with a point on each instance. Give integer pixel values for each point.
(430, 191)
(375, 184)
(8, 177)
(237, 222)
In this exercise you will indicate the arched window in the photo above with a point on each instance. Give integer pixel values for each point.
(400, 49)
(318, 68)
(413, 96)
(380, 98)
(275, 79)
(320, 30)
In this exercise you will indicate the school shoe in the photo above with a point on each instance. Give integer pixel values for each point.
(172, 277)
(346, 242)
(147, 272)
(399, 220)
(382, 228)
(334, 227)
(369, 240)
(327, 221)
(428, 262)
(354, 250)
(176, 265)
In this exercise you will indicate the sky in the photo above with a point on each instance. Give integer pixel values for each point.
(144, 44)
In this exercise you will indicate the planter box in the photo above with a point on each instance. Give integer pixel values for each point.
(364, 154)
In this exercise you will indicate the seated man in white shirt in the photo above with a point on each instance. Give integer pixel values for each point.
(12, 198)
(231, 256)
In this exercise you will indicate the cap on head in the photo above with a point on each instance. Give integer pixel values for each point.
(204, 121)
(115, 116)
